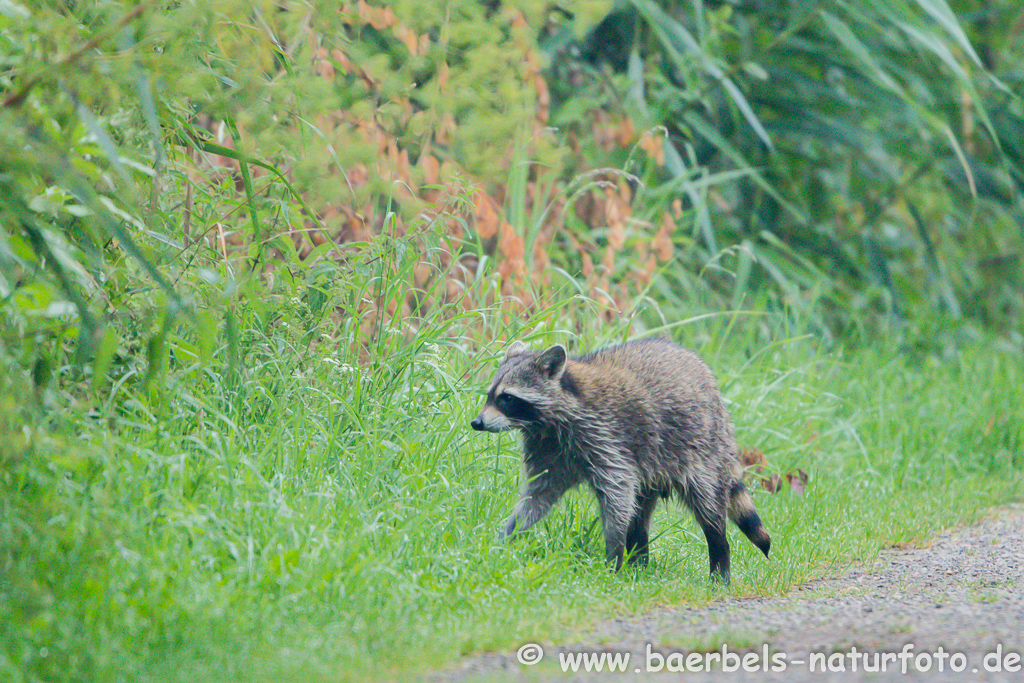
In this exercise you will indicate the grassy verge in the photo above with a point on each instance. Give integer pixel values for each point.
(323, 517)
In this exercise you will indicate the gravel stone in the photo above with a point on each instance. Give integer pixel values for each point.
(964, 592)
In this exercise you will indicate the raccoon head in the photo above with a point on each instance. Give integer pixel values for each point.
(526, 385)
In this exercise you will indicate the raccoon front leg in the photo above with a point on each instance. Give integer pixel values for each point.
(637, 538)
(617, 500)
(540, 491)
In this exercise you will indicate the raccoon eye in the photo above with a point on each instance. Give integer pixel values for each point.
(505, 401)
(514, 407)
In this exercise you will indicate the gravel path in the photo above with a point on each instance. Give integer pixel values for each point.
(963, 593)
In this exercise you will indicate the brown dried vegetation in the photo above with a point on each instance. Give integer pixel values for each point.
(618, 254)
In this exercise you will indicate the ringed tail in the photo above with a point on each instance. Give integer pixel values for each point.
(744, 515)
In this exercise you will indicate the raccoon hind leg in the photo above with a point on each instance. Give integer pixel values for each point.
(710, 512)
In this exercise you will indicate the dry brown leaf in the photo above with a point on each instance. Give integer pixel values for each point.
(543, 96)
(625, 133)
(798, 481)
(407, 36)
(486, 216)
(512, 250)
(609, 259)
(755, 464)
(323, 66)
(442, 75)
(662, 242)
(431, 169)
(652, 145)
(755, 470)
(588, 265)
(616, 213)
(752, 457)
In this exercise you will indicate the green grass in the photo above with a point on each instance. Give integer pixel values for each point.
(323, 516)
(216, 464)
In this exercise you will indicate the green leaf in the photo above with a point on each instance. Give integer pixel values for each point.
(13, 10)
(852, 43)
(104, 140)
(250, 195)
(714, 137)
(743, 270)
(940, 11)
(677, 40)
(932, 43)
(105, 351)
(677, 166)
(748, 113)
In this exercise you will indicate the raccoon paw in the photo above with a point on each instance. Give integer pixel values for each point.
(508, 530)
(720, 578)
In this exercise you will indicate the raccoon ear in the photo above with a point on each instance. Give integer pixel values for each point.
(552, 362)
(515, 349)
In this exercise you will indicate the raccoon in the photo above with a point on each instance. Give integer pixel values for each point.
(638, 422)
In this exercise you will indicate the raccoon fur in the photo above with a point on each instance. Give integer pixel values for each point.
(639, 421)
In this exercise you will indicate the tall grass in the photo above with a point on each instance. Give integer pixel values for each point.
(224, 459)
(324, 513)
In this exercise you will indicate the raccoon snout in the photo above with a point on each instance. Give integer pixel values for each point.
(483, 424)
